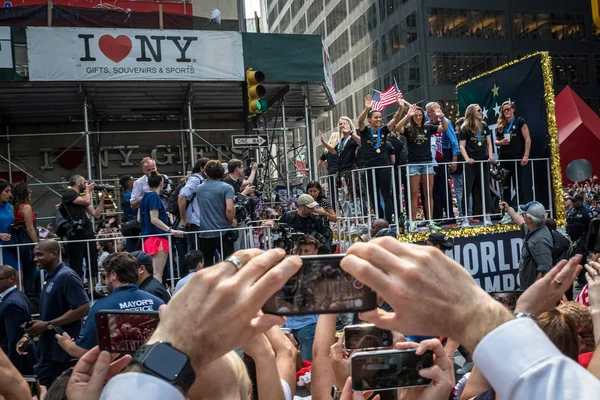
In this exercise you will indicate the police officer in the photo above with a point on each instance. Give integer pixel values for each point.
(578, 222)
(304, 220)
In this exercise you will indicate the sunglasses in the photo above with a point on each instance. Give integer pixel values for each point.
(479, 110)
(506, 109)
(6, 277)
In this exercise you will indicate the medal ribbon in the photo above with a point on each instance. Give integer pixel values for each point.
(378, 144)
(510, 126)
(342, 144)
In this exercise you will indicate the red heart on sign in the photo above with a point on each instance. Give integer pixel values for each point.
(115, 49)
(70, 158)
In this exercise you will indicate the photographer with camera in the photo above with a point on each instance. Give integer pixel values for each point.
(306, 220)
(75, 207)
(235, 168)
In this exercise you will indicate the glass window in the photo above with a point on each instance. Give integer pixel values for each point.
(301, 25)
(296, 6)
(364, 61)
(452, 68)
(411, 28)
(271, 18)
(320, 30)
(342, 77)
(281, 4)
(314, 10)
(597, 68)
(433, 20)
(352, 4)
(596, 33)
(336, 16)
(285, 21)
(360, 95)
(358, 30)
(371, 18)
(339, 46)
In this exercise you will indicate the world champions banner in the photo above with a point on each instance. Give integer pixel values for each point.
(492, 260)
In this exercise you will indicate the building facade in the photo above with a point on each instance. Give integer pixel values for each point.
(429, 46)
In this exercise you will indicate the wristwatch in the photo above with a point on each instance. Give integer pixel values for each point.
(164, 361)
(336, 394)
(525, 315)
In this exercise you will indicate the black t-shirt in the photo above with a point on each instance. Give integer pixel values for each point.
(516, 148)
(368, 142)
(476, 145)
(77, 212)
(153, 286)
(400, 149)
(419, 146)
(346, 150)
(235, 184)
(332, 162)
(389, 152)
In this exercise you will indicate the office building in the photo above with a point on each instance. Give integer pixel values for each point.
(429, 46)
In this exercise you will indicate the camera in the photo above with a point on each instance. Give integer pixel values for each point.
(167, 186)
(101, 188)
(289, 238)
(242, 208)
(498, 173)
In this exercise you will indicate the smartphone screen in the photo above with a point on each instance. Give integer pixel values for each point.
(507, 298)
(388, 369)
(321, 287)
(591, 241)
(124, 331)
(366, 336)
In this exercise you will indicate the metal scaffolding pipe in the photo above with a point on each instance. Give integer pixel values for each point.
(285, 151)
(191, 130)
(10, 179)
(88, 151)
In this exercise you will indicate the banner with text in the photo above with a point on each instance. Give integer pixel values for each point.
(492, 260)
(82, 54)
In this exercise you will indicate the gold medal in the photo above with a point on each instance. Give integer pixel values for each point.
(479, 144)
(378, 150)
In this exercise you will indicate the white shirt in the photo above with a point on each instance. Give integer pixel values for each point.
(183, 281)
(140, 187)
(7, 291)
(520, 362)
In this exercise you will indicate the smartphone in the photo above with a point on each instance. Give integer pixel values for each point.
(508, 298)
(286, 331)
(388, 369)
(321, 287)
(124, 331)
(591, 241)
(58, 330)
(366, 336)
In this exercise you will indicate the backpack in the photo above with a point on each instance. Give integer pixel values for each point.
(62, 224)
(173, 201)
(559, 252)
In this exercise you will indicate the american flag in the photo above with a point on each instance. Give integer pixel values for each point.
(383, 99)
(583, 297)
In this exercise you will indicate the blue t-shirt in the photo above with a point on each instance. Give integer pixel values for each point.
(211, 196)
(152, 201)
(128, 212)
(128, 297)
(63, 291)
(183, 281)
(9, 256)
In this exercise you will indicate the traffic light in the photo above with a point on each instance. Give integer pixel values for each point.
(256, 92)
(596, 12)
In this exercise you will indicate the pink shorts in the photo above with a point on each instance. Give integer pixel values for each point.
(154, 244)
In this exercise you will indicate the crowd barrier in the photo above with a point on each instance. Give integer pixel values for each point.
(358, 202)
(249, 237)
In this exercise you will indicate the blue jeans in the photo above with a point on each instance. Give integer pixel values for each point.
(305, 337)
(459, 188)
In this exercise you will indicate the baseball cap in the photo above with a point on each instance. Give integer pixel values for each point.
(576, 197)
(306, 200)
(438, 238)
(386, 232)
(534, 208)
(142, 257)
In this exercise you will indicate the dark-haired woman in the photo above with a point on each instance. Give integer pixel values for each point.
(24, 231)
(514, 143)
(420, 159)
(154, 221)
(325, 210)
(9, 255)
(476, 145)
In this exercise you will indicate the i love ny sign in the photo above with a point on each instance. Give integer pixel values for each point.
(82, 54)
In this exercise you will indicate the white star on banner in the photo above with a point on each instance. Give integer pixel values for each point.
(497, 109)
(485, 111)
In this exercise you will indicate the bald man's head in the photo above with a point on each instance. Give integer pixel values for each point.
(378, 225)
(47, 253)
(8, 277)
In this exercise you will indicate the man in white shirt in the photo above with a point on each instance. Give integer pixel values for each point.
(194, 261)
(140, 186)
(436, 295)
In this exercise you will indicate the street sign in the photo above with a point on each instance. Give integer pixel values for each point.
(249, 141)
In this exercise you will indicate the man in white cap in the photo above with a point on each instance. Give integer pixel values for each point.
(536, 252)
(305, 220)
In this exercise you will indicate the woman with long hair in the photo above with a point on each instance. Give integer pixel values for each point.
(345, 150)
(9, 255)
(154, 221)
(420, 159)
(476, 145)
(329, 158)
(325, 210)
(514, 143)
(25, 232)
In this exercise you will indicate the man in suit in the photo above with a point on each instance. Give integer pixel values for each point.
(14, 312)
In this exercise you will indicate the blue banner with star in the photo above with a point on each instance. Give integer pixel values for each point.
(521, 83)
